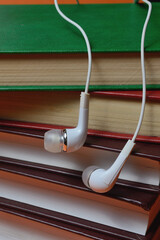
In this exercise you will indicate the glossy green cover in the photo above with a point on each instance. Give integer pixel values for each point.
(110, 28)
(78, 88)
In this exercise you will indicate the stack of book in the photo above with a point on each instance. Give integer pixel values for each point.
(43, 64)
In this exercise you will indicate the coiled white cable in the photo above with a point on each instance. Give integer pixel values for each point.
(143, 70)
(86, 40)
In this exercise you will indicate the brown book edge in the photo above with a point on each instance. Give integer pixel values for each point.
(141, 195)
(142, 149)
(73, 224)
(30, 125)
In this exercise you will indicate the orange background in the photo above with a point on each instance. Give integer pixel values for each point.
(61, 1)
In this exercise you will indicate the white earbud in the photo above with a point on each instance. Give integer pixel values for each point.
(69, 140)
(101, 180)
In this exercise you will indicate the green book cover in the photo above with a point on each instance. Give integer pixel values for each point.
(111, 28)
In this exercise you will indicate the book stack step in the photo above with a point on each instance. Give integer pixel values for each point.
(99, 140)
(24, 141)
(57, 196)
(15, 214)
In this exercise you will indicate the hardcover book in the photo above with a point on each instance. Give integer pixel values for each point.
(24, 220)
(108, 111)
(39, 50)
(24, 144)
(124, 207)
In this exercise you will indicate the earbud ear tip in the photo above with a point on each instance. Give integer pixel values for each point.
(87, 173)
(53, 140)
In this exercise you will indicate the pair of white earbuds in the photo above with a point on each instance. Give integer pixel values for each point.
(70, 140)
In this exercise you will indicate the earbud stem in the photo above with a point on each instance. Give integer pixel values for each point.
(101, 180)
(114, 171)
(77, 136)
(69, 140)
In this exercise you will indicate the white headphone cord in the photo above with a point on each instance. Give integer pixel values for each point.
(143, 71)
(86, 40)
(142, 60)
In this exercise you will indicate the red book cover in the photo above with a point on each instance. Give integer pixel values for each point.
(153, 96)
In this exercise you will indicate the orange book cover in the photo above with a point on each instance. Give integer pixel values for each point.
(7, 2)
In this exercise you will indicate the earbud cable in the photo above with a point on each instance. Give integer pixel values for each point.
(86, 40)
(143, 71)
(142, 60)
